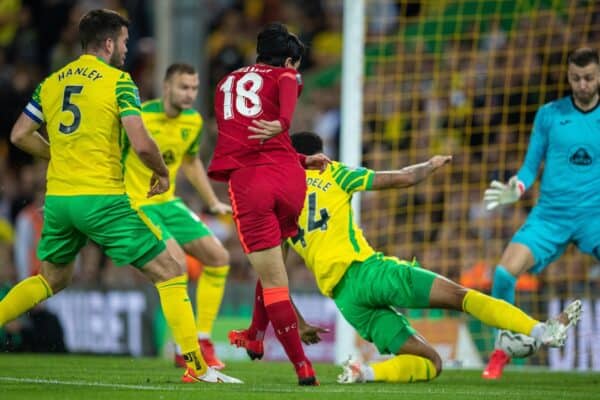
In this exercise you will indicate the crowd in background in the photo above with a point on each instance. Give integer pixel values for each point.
(38, 37)
(472, 95)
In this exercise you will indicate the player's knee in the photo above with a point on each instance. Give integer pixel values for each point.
(163, 268)
(436, 360)
(219, 257)
(433, 356)
(57, 277)
(58, 283)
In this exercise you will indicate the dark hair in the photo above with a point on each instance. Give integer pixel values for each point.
(275, 44)
(307, 143)
(583, 57)
(179, 68)
(98, 25)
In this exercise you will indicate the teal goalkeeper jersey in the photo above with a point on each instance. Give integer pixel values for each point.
(567, 140)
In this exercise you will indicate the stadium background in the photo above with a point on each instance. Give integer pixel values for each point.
(450, 76)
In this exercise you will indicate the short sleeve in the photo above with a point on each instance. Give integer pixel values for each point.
(352, 179)
(194, 147)
(33, 109)
(128, 96)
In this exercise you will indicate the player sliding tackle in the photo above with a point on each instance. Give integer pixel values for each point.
(365, 284)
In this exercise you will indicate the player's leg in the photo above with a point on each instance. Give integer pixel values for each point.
(540, 240)
(516, 259)
(267, 201)
(58, 247)
(270, 268)
(416, 361)
(498, 313)
(389, 331)
(199, 242)
(210, 290)
(130, 238)
(35, 289)
(252, 338)
(186, 233)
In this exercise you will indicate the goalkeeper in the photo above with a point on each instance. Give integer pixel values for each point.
(566, 136)
(366, 285)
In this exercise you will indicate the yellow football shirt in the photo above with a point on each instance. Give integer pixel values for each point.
(328, 239)
(82, 105)
(176, 138)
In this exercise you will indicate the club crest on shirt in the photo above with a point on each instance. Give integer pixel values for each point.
(185, 133)
(580, 157)
(169, 157)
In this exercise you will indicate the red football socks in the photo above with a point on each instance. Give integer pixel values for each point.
(260, 319)
(285, 322)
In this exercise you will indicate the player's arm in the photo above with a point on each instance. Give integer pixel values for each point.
(25, 136)
(24, 133)
(144, 146)
(309, 334)
(408, 176)
(195, 172)
(130, 112)
(288, 97)
(500, 193)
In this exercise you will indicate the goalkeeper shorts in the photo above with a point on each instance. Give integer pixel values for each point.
(547, 233)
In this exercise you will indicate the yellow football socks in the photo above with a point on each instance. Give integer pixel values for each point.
(497, 313)
(178, 312)
(209, 294)
(404, 368)
(24, 296)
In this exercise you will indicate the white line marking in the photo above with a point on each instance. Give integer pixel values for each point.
(358, 388)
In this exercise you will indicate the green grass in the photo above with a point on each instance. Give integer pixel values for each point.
(35, 376)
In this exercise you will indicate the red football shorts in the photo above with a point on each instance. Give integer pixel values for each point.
(267, 201)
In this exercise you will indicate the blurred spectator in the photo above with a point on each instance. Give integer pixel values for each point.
(230, 45)
(9, 20)
(28, 231)
(23, 48)
(68, 47)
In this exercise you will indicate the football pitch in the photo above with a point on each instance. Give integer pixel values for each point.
(35, 376)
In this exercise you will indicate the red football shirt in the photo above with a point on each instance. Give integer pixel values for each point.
(254, 92)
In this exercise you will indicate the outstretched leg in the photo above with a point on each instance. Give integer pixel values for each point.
(500, 314)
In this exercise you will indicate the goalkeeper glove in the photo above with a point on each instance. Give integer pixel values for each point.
(499, 193)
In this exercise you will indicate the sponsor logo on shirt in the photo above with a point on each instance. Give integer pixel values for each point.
(580, 157)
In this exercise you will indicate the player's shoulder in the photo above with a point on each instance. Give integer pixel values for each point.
(153, 106)
(560, 106)
(190, 113)
(335, 165)
(191, 118)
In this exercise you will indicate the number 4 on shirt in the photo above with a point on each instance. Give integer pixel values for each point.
(312, 223)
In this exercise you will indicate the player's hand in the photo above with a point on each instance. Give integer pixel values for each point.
(158, 185)
(439, 161)
(265, 130)
(310, 334)
(499, 193)
(220, 208)
(317, 161)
